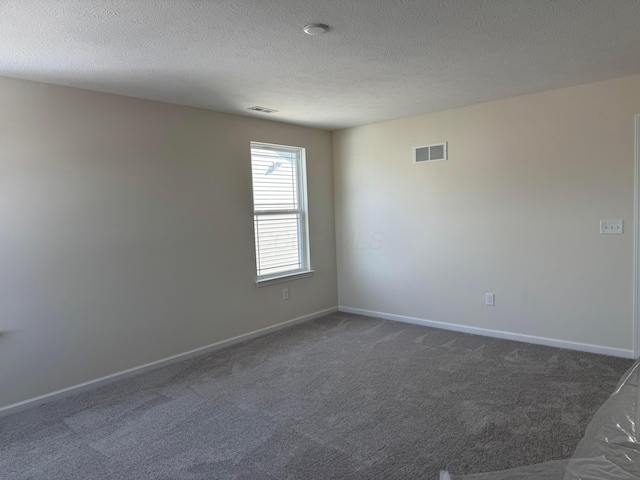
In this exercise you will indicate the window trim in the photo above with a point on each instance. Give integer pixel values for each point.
(263, 282)
(303, 211)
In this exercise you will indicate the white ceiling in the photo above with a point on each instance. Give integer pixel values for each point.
(382, 59)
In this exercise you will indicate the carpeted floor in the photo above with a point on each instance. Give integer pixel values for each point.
(342, 397)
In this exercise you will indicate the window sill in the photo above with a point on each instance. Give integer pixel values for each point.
(263, 282)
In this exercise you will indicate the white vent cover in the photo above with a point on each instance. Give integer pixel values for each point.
(435, 152)
(260, 109)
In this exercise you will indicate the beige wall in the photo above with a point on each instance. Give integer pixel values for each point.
(126, 233)
(515, 211)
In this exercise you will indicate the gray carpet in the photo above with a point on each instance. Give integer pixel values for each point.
(344, 396)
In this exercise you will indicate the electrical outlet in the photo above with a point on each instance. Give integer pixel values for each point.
(489, 299)
(285, 294)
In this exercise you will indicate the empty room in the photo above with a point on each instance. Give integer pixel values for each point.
(328, 239)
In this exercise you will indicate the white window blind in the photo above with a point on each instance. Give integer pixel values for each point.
(279, 203)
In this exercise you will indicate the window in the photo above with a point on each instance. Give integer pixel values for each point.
(280, 211)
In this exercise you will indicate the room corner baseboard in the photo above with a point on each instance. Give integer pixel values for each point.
(518, 337)
(91, 384)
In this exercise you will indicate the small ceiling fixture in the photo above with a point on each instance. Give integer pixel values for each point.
(315, 28)
(262, 109)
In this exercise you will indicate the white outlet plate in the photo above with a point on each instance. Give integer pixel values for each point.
(285, 294)
(611, 227)
(489, 299)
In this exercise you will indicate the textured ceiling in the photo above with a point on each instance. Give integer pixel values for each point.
(382, 59)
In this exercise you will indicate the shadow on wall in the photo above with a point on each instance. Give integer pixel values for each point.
(142, 83)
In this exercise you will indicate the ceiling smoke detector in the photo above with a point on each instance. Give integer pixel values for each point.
(315, 28)
(262, 109)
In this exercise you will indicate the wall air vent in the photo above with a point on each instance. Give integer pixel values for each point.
(262, 109)
(430, 153)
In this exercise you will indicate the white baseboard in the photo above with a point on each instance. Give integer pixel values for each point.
(66, 392)
(518, 337)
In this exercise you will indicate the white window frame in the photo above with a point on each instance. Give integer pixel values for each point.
(303, 227)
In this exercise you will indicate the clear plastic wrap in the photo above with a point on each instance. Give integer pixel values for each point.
(609, 450)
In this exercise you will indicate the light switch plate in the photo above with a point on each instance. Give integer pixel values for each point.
(609, 227)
